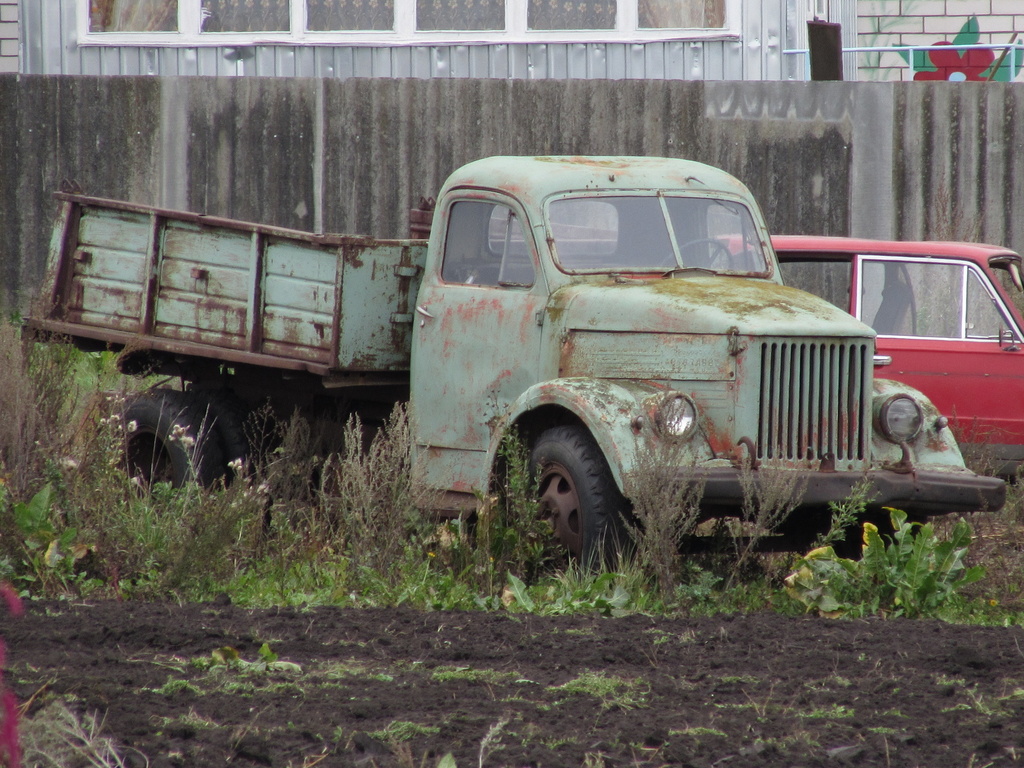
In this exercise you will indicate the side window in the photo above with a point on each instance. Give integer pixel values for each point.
(507, 238)
(913, 298)
(485, 245)
(830, 280)
(984, 320)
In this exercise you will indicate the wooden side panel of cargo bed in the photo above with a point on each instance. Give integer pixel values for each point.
(109, 269)
(299, 295)
(204, 285)
(189, 284)
(248, 291)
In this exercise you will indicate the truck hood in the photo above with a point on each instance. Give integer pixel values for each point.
(699, 304)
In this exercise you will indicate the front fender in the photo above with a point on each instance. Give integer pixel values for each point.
(935, 446)
(616, 413)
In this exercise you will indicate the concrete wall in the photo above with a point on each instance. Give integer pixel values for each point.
(871, 159)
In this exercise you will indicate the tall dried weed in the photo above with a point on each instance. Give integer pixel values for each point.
(770, 494)
(666, 511)
(368, 496)
(37, 403)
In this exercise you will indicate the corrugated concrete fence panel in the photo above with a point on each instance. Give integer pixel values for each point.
(250, 149)
(959, 168)
(98, 134)
(764, 136)
(353, 155)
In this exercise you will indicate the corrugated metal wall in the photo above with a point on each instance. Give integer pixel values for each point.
(767, 27)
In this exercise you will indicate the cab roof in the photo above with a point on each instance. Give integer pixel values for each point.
(980, 253)
(538, 177)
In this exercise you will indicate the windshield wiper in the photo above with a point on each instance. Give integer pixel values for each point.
(683, 270)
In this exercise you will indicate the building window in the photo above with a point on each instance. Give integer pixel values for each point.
(347, 15)
(571, 14)
(133, 16)
(673, 14)
(432, 15)
(398, 22)
(245, 16)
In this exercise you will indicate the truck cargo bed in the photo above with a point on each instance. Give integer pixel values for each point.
(188, 284)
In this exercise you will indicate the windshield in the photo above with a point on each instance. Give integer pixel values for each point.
(654, 233)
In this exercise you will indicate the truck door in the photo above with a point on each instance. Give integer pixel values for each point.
(947, 332)
(477, 339)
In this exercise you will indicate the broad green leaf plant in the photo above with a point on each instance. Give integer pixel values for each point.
(912, 573)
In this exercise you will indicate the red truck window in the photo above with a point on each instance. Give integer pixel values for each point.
(927, 299)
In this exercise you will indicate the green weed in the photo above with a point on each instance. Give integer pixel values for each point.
(618, 692)
(403, 730)
(268, 661)
(577, 592)
(472, 675)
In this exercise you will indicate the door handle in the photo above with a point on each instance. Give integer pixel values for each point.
(882, 360)
(422, 311)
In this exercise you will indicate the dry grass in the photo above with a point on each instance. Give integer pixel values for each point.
(55, 737)
(666, 509)
(37, 400)
(368, 495)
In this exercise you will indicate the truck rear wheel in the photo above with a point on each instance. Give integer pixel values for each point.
(170, 438)
(578, 495)
(229, 415)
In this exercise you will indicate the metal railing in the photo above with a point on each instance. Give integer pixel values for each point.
(1011, 52)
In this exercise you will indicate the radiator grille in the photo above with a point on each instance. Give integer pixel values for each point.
(815, 401)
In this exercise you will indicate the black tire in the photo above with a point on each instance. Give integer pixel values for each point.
(229, 415)
(579, 496)
(169, 437)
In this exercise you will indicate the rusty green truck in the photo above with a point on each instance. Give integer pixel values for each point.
(606, 309)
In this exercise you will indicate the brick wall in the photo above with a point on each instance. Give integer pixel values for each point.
(8, 35)
(926, 22)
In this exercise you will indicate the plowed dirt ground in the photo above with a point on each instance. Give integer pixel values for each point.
(405, 688)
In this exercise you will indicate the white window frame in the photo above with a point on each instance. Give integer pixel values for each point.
(967, 269)
(404, 32)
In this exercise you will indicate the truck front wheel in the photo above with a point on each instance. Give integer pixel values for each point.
(169, 437)
(578, 495)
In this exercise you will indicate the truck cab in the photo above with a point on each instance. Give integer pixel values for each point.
(611, 309)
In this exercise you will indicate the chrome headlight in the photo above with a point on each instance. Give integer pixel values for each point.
(900, 419)
(676, 416)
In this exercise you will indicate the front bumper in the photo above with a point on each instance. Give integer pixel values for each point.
(919, 494)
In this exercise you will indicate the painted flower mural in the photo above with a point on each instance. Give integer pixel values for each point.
(947, 62)
(951, 64)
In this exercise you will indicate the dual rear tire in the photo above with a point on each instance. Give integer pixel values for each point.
(182, 437)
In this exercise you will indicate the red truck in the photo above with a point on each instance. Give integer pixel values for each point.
(948, 320)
